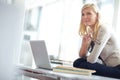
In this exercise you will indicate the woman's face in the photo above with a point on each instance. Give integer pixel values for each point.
(89, 17)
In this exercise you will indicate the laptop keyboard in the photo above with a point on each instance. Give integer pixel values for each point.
(57, 62)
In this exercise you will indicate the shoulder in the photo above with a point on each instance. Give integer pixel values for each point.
(104, 32)
(105, 29)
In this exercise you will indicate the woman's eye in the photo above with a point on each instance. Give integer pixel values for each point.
(83, 14)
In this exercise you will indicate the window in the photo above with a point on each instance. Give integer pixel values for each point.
(59, 28)
(104, 5)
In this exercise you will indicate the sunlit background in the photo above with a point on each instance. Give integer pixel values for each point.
(57, 22)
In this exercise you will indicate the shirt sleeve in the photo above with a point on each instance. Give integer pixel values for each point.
(102, 38)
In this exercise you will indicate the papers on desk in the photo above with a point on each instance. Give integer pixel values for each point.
(73, 70)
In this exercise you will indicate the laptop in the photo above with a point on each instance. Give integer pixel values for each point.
(40, 55)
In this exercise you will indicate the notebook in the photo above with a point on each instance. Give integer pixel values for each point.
(40, 55)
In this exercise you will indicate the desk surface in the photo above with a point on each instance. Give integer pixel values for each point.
(56, 75)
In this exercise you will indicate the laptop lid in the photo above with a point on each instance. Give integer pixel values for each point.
(40, 54)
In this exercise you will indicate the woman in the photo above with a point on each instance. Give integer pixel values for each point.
(98, 43)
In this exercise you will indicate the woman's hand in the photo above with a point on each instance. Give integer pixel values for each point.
(85, 44)
(87, 39)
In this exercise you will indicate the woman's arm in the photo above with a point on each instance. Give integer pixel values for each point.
(102, 39)
(85, 44)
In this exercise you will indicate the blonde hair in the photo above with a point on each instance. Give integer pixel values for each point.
(83, 29)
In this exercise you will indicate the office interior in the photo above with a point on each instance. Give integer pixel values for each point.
(57, 22)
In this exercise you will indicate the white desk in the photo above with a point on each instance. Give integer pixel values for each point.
(44, 74)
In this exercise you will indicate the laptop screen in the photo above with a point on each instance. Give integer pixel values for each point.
(40, 54)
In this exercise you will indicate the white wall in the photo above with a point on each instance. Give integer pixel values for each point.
(4, 1)
(11, 26)
(117, 20)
